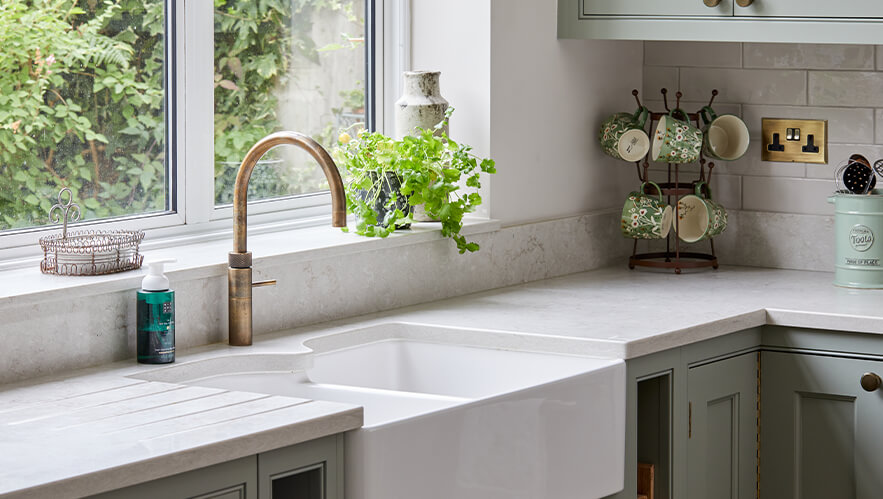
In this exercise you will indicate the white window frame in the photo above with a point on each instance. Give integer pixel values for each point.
(196, 217)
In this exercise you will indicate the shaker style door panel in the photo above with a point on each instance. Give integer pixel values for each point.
(231, 480)
(311, 470)
(821, 432)
(722, 435)
(655, 8)
(813, 8)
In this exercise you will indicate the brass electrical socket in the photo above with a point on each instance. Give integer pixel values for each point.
(793, 141)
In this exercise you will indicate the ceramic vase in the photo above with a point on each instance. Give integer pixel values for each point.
(421, 105)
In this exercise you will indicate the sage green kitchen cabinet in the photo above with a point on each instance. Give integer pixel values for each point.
(722, 429)
(231, 480)
(674, 399)
(645, 8)
(310, 470)
(849, 9)
(821, 432)
(781, 21)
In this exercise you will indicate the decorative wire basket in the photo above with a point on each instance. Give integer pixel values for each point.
(87, 252)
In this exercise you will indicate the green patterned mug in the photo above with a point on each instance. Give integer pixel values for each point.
(676, 141)
(699, 217)
(622, 135)
(644, 216)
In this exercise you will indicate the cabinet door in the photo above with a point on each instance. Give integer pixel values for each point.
(821, 433)
(232, 480)
(311, 470)
(813, 8)
(655, 8)
(722, 434)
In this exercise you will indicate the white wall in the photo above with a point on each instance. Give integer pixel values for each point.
(548, 97)
(530, 101)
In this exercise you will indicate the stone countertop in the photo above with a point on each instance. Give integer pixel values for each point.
(629, 313)
(99, 429)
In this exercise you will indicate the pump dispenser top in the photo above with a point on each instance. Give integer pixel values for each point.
(155, 280)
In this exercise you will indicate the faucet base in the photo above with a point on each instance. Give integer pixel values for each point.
(239, 304)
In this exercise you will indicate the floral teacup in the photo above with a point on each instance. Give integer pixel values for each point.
(622, 135)
(699, 217)
(676, 141)
(644, 216)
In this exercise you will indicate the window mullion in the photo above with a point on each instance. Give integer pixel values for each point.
(196, 137)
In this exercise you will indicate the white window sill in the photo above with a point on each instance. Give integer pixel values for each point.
(200, 260)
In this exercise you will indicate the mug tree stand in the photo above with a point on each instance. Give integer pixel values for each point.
(673, 189)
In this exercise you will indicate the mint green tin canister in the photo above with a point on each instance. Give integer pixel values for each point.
(858, 240)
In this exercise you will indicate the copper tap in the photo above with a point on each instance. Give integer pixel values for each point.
(239, 272)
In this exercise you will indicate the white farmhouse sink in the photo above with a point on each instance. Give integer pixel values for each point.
(445, 420)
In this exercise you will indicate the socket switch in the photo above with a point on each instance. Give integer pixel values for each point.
(794, 141)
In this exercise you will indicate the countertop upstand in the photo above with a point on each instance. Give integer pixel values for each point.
(101, 429)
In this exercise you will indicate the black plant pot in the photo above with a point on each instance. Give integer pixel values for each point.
(390, 185)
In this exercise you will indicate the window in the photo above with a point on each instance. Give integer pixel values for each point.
(116, 99)
(82, 105)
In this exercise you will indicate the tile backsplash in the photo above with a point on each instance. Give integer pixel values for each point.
(783, 205)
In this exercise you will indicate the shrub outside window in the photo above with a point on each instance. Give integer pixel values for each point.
(87, 86)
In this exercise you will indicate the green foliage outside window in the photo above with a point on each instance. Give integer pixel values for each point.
(82, 100)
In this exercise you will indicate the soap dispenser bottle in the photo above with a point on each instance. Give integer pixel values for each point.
(156, 316)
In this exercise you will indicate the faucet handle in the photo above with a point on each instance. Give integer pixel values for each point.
(260, 284)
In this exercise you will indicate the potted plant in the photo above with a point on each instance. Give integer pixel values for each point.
(385, 178)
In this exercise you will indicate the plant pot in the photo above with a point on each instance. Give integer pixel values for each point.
(392, 185)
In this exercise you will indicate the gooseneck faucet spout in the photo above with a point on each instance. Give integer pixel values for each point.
(239, 271)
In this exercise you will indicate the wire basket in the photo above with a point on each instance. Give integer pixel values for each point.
(87, 252)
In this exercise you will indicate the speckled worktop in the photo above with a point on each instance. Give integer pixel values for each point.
(99, 429)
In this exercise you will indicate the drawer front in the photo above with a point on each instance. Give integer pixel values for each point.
(673, 8)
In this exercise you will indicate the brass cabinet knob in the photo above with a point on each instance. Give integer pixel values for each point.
(744, 3)
(871, 381)
(711, 3)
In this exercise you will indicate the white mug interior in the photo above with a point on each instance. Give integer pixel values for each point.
(633, 145)
(693, 218)
(728, 137)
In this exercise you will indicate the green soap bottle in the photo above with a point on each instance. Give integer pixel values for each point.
(156, 317)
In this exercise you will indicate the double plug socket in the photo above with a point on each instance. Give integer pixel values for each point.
(795, 141)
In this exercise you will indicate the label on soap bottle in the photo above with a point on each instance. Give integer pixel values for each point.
(156, 327)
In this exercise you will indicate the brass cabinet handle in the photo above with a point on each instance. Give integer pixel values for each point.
(744, 3)
(871, 381)
(711, 3)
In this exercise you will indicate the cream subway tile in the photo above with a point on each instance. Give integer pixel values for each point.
(727, 190)
(878, 123)
(808, 56)
(846, 88)
(845, 124)
(751, 164)
(659, 77)
(757, 86)
(693, 54)
(692, 106)
(787, 195)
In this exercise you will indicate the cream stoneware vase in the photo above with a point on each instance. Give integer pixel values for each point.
(421, 104)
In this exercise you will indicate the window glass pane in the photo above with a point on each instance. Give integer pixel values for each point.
(284, 65)
(81, 106)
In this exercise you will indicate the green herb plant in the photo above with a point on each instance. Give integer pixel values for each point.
(430, 167)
